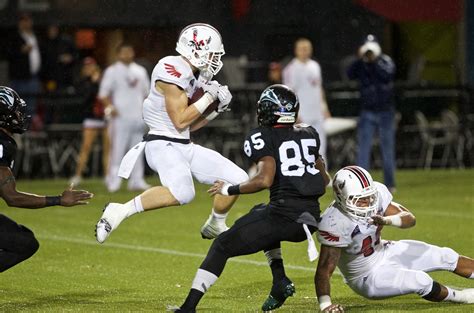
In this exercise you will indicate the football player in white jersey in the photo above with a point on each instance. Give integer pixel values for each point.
(168, 148)
(349, 232)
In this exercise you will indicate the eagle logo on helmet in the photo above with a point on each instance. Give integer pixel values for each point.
(198, 44)
(270, 95)
(8, 99)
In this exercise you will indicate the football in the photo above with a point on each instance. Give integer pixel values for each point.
(198, 93)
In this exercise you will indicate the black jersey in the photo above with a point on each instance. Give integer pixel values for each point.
(297, 185)
(7, 150)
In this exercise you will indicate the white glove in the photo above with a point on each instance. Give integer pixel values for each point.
(212, 88)
(224, 97)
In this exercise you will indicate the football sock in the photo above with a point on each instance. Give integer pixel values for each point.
(192, 300)
(219, 217)
(133, 206)
(276, 264)
(201, 283)
(451, 295)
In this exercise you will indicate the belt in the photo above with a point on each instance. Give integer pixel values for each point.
(151, 137)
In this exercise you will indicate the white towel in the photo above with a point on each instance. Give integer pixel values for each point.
(312, 251)
(129, 160)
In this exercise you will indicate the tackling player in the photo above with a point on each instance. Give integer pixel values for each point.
(18, 243)
(349, 233)
(288, 163)
(168, 149)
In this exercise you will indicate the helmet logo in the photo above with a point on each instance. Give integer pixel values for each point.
(8, 99)
(269, 95)
(289, 106)
(199, 44)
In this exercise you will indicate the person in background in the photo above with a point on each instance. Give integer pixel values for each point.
(274, 73)
(24, 61)
(303, 75)
(123, 88)
(375, 72)
(59, 55)
(94, 122)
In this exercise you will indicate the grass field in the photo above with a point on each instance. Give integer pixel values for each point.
(150, 261)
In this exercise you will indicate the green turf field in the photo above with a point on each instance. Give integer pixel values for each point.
(150, 260)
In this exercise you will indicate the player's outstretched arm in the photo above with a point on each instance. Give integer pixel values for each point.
(20, 199)
(328, 259)
(395, 215)
(266, 168)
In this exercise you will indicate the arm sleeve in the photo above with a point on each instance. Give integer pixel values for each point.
(106, 84)
(385, 69)
(385, 196)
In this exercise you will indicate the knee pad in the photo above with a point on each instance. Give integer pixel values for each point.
(424, 283)
(450, 258)
(184, 194)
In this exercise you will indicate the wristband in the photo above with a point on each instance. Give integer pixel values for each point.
(53, 200)
(324, 302)
(212, 115)
(202, 104)
(394, 220)
(233, 190)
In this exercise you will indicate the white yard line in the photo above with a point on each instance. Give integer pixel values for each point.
(167, 251)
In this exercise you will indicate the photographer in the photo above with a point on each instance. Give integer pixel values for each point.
(375, 73)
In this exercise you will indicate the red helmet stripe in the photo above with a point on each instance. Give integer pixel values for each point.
(360, 175)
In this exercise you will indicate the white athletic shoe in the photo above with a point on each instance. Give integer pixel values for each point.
(465, 295)
(212, 228)
(110, 219)
(75, 180)
(140, 186)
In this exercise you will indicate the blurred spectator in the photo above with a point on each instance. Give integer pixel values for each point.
(59, 55)
(375, 72)
(274, 73)
(303, 75)
(94, 122)
(123, 88)
(24, 61)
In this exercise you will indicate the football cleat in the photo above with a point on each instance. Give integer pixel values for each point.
(465, 295)
(108, 222)
(280, 291)
(212, 228)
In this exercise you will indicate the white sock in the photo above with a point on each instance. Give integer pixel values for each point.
(274, 254)
(472, 276)
(218, 216)
(451, 295)
(203, 280)
(134, 206)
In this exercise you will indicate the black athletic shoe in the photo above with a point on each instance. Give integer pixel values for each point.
(280, 291)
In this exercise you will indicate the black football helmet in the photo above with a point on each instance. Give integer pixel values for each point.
(13, 115)
(278, 104)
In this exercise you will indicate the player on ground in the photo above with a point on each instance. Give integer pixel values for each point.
(349, 233)
(18, 243)
(168, 149)
(288, 163)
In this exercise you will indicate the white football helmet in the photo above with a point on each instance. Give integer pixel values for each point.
(354, 192)
(202, 45)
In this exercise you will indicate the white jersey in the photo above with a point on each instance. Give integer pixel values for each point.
(127, 86)
(306, 81)
(360, 242)
(174, 70)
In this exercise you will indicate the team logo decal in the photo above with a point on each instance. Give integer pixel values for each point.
(199, 44)
(171, 69)
(8, 98)
(328, 236)
(269, 95)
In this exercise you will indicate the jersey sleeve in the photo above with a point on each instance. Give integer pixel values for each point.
(107, 83)
(384, 194)
(332, 230)
(170, 70)
(7, 153)
(258, 144)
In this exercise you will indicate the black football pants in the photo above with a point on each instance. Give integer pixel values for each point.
(259, 230)
(17, 243)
